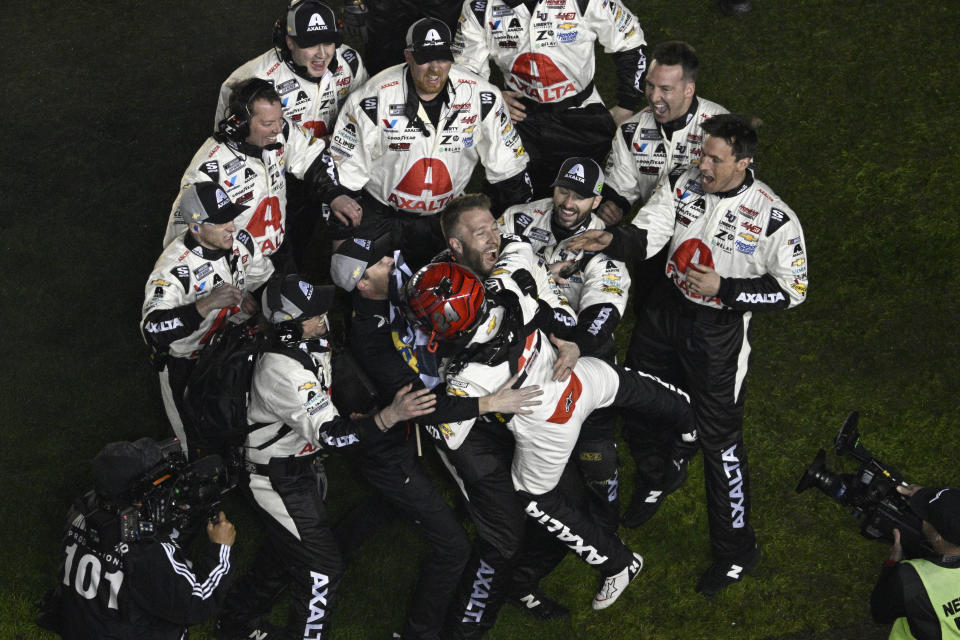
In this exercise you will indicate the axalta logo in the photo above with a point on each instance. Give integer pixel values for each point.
(165, 325)
(316, 23)
(539, 77)
(266, 224)
(760, 298)
(317, 606)
(597, 323)
(429, 182)
(482, 584)
(731, 467)
(574, 542)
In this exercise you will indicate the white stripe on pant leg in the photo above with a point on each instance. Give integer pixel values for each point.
(270, 501)
(453, 472)
(742, 358)
(170, 407)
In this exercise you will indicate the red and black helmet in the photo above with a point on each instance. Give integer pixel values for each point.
(445, 299)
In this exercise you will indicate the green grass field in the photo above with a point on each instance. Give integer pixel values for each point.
(108, 101)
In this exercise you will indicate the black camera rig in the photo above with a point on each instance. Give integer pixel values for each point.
(870, 493)
(175, 493)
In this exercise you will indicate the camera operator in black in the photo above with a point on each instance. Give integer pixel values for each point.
(922, 596)
(143, 589)
(292, 417)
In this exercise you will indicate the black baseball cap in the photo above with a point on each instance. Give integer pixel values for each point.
(119, 464)
(310, 23)
(290, 298)
(581, 175)
(941, 508)
(206, 202)
(354, 255)
(429, 39)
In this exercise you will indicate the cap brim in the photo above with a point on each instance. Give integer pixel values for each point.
(578, 188)
(322, 299)
(423, 56)
(227, 213)
(313, 39)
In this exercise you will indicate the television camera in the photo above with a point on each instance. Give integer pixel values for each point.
(870, 493)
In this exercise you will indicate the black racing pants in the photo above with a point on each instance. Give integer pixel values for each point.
(405, 489)
(705, 351)
(550, 137)
(591, 482)
(173, 382)
(506, 520)
(299, 550)
(419, 237)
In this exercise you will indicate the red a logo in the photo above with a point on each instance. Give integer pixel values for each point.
(428, 174)
(692, 251)
(538, 68)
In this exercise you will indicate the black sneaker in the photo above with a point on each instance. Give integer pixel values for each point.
(252, 630)
(645, 503)
(539, 605)
(722, 574)
(735, 7)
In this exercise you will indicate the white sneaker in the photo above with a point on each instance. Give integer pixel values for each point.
(614, 585)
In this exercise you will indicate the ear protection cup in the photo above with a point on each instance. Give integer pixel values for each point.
(236, 125)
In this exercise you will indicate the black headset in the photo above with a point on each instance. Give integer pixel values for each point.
(236, 125)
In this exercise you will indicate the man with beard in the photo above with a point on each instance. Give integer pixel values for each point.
(312, 71)
(509, 468)
(544, 50)
(394, 354)
(735, 248)
(596, 288)
(407, 142)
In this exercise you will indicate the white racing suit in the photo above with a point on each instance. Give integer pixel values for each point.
(385, 143)
(409, 167)
(643, 152)
(312, 103)
(547, 54)
(293, 417)
(255, 177)
(755, 243)
(508, 341)
(170, 323)
(597, 290)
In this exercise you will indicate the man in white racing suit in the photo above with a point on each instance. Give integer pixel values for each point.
(662, 136)
(312, 71)
(545, 51)
(409, 139)
(665, 135)
(250, 158)
(596, 287)
(735, 248)
(292, 417)
(309, 66)
(202, 279)
(493, 340)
